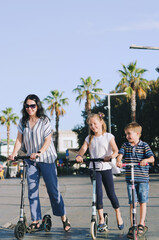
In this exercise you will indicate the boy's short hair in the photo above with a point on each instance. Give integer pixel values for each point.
(134, 126)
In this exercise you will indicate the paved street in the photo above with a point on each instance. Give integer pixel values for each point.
(76, 191)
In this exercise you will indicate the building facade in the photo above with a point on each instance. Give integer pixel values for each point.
(67, 139)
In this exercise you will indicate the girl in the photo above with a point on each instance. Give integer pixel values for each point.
(34, 131)
(102, 145)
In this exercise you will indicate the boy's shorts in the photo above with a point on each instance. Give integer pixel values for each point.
(141, 192)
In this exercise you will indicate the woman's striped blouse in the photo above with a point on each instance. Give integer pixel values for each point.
(33, 139)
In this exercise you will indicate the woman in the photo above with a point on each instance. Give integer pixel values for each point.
(35, 135)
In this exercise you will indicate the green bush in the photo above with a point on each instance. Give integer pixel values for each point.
(61, 155)
(3, 158)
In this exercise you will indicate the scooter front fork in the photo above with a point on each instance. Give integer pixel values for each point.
(133, 206)
(94, 199)
(21, 218)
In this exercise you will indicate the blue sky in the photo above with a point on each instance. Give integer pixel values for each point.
(48, 45)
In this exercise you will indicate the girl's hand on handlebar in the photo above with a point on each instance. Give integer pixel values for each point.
(107, 159)
(119, 164)
(79, 159)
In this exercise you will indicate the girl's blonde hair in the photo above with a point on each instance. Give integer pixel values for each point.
(100, 117)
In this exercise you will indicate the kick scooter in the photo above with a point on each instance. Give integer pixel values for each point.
(22, 227)
(93, 227)
(134, 227)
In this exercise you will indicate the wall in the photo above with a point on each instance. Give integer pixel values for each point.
(67, 139)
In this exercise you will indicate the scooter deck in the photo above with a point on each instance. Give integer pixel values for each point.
(41, 228)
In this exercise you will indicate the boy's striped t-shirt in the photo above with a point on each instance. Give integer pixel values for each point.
(136, 154)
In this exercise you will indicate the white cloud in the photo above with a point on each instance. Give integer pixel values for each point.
(143, 25)
(93, 29)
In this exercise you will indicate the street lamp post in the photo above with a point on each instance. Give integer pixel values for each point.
(143, 47)
(109, 112)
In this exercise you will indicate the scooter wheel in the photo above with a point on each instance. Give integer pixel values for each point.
(106, 220)
(47, 223)
(134, 233)
(19, 230)
(93, 229)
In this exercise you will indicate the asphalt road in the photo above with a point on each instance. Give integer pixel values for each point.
(77, 194)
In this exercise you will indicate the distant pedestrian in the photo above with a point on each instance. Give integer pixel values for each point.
(1, 167)
(136, 151)
(34, 131)
(21, 168)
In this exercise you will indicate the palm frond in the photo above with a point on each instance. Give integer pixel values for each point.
(129, 91)
(141, 93)
(96, 82)
(97, 89)
(123, 73)
(64, 101)
(3, 119)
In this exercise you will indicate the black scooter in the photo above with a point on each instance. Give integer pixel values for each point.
(22, 226)
(94, 220)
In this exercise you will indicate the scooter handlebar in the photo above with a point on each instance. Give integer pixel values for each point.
(87, 160)
(22, 158)
(93, 160)
(132, 164)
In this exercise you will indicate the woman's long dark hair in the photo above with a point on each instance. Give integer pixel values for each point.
(40, 110)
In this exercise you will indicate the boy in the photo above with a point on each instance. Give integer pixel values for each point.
(136, 151)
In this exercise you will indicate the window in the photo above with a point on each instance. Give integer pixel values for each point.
(68, 143)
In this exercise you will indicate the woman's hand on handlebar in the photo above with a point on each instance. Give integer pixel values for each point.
(79, 159)
(33, 156)
(11, 157)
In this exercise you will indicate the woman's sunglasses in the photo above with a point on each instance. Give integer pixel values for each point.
(30, 106)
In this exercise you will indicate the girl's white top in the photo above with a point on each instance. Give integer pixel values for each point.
(99, 148)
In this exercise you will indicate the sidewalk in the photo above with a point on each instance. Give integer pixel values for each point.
(77, 194)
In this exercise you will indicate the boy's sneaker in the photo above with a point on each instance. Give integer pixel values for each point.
(102, 227)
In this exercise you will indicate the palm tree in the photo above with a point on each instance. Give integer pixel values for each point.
(133, 83)
(84, 90)
(56, 102)
(6, 119)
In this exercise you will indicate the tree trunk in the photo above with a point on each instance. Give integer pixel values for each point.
(8, 140)
(88, 103)
(88, 107)
(133, 106)
(8, 143)
(57, 131)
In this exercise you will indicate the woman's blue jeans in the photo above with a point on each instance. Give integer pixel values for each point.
(49, 173)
